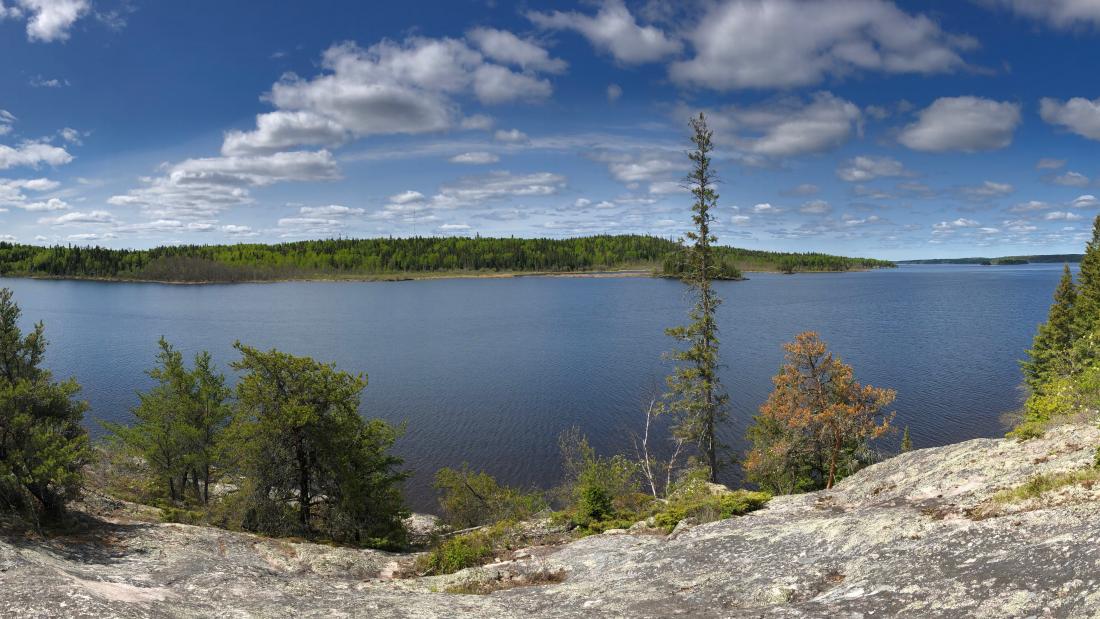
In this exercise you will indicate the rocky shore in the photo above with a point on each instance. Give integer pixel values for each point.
(920, 535)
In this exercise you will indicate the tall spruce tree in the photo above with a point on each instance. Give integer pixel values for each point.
(1087, 308)
(1050, 350)
(695, 395)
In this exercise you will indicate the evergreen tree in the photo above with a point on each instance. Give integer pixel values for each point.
(312, 463)
(906, 442)
(43, 447)
(1087, 306)
(179, 423)
(695, 395)
(1050, 350)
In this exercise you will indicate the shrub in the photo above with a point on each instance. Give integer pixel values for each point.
(594, 484)
(711, 507)
(470, 499)
(457, 553)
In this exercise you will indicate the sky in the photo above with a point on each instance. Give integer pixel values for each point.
(891, 129)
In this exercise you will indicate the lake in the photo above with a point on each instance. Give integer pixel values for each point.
(491, 371)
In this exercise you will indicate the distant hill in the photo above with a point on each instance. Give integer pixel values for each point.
(395, 258)
(1043, 259)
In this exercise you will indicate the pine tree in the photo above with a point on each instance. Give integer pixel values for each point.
(695, 395)
(1053, 341)
(906, 442)
(1087, 309)
(43, 447)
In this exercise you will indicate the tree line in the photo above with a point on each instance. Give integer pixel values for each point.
(386, 257)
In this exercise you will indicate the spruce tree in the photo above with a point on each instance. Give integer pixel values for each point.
(1050, 350)
(906, 441)
(43, 447)
(1087, 309)
(695, 395)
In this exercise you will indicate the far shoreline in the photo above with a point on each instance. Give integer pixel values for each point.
(410, 277)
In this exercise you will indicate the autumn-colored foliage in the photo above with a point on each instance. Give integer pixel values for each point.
(815, 427)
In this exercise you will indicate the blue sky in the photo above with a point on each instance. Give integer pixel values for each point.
(863, 127)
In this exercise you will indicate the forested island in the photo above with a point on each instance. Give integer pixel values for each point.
(397, 258)
(1003, 260)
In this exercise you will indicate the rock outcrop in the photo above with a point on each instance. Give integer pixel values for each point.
(918, 535)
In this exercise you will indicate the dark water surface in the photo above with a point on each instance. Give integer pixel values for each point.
(490, 371)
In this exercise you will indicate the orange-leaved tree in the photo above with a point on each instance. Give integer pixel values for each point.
(816, 426)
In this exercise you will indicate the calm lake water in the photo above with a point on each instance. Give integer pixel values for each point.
(491, 371)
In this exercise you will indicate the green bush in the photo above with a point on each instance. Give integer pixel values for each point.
(470, 499)
(457, 553)
(711, 507)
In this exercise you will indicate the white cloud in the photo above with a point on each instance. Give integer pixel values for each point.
(475, 158)
(32, 154)
(52, 204)
(765, 209)
(281, 130)
(947, 226)
(988, 189)
(391, 88)
(786, 43)
(238, 230)
(582, 202)
(1047, 163)
(477, 122)
(1085, 201)
(805, 189)
(1071, 179)
(815, 207)
(667, 187)
(503, 46)
(865, 168)
(1057, 13)
(648, 166)
(1079, 115)
(1062, 216)
(48, 20)
(201, 188)
(614, 92)
(7, 119)
(511, 135)
(474, 191)
(789, 127)
(454, 227)
(967, 124)
(613, 30)
(38, 81)
(407, 197)
(332, 210)
(78, 217)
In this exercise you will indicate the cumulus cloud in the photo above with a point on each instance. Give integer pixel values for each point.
(474, 191)
(1078, 115)
(865, 168)
(787, 43)
(1047, 163)
(32, 154)
(1062, 216)
(332, 210)
(505, 47)
(7, 119)
(967, 124)
(1057, 13)
(1071, 179)
(643, 166)
(475, 158)
(614, 30)
(201, 188)
(789, 126)
(47, 20)
(987, 189)
(815, 207)
(1085, 201)
(391, 88)
(78, 217)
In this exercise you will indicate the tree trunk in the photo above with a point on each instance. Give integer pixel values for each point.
(303, 486)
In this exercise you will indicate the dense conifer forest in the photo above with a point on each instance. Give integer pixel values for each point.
(391, 258)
